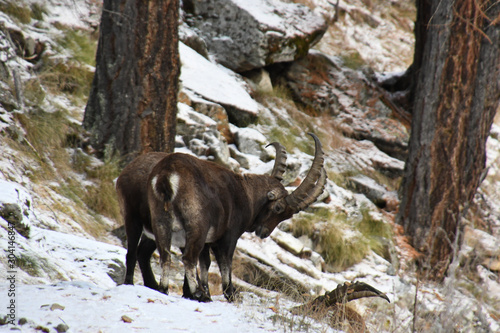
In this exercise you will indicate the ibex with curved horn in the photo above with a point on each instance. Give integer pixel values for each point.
(197, 205)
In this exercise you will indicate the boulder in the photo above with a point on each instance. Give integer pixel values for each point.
(216, 84)
(291, 244)
(377, 193)
(243, 35)
(8, 101)
(250, 141)
(15, 207)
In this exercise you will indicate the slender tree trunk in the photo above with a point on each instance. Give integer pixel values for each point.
(456, 96)
(133, 101)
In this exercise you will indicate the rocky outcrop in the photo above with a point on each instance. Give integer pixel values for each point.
(357, 107)
(200, 135)
(243, 35)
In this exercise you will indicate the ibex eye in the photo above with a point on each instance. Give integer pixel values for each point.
(278, 209)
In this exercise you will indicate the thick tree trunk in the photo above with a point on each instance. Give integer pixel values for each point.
(133, 101)
(407, 82)
(456, 96)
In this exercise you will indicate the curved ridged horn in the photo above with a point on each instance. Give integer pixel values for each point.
(315, 192)
(280, 161)
(312, 186)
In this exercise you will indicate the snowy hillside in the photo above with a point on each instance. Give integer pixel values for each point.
(59, 214)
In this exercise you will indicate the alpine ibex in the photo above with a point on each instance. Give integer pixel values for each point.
(198, 205)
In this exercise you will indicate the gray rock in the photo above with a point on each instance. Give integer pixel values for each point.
(7, 99)
(242, 159)
(250, 141)
(213, 110)
(201, 136)
(11, 213)
(15, 207)
(377, 193)
(189, 37)
(61, 328)
(291, 244)
(243, 35)
(116, 270)
(483, 242)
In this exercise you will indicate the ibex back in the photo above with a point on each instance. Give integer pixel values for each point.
(198, 205)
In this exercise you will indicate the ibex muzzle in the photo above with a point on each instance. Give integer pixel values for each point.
(199, 205)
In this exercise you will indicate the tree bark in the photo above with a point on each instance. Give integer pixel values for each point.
(133, 100)
(456, 96)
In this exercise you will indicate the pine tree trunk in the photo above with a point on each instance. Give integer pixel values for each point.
(456, 96)
(133, 101)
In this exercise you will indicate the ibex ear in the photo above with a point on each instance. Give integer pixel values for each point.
(273, 195)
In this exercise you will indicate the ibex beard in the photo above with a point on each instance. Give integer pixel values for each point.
(198, 205)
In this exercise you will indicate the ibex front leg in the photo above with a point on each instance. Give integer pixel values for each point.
(224, 251)
(204, 262)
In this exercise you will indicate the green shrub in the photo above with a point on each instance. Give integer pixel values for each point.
(82, 45)
(103, 198)
(33, 91)
(342, 241)
(28, 264)
(37, 11)
(377, 233)
(341, 247)
(12, 9)
(45, 132)
(70, 78)
(353, 60)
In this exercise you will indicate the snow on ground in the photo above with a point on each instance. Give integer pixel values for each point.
(78, 14)
(54, 256)
(85, 307)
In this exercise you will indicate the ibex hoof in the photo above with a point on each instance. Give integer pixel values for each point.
(232, 296)
(163, 290)
(199, 296)
(129, 281)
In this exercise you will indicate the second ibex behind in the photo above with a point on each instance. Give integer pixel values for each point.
(198, 205)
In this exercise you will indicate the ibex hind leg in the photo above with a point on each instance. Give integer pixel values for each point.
(165, 260)
(146, 248)
(192, 253)
(163, 234)
(191, 288)
(204, 263)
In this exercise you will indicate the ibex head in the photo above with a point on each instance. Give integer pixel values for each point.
(280, 204)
